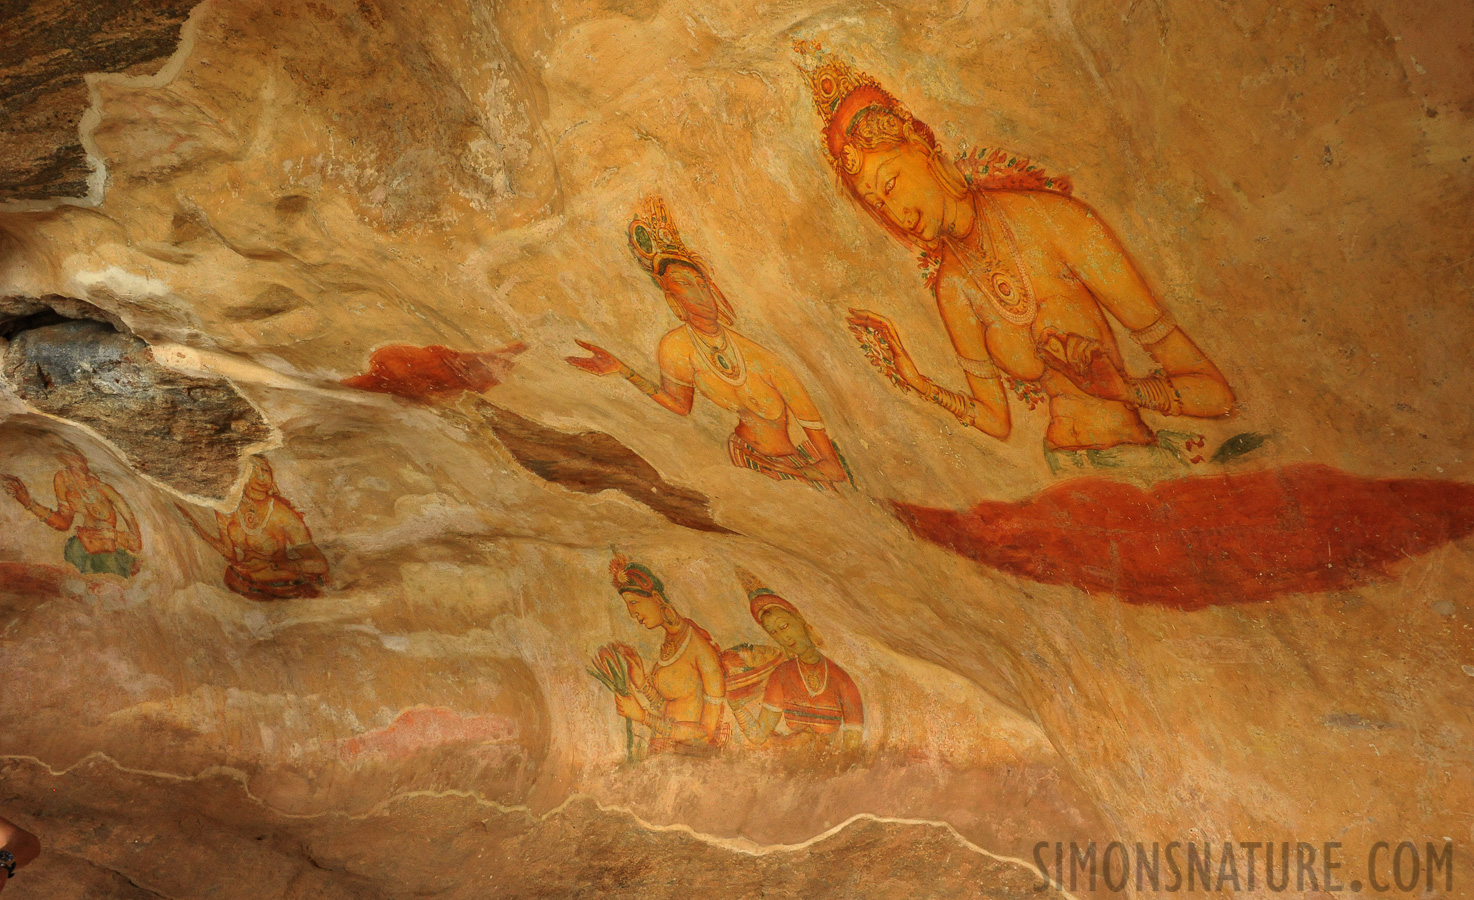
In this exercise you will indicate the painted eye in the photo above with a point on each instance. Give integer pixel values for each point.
(891, 183)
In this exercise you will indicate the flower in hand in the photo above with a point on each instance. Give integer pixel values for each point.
(881, 344)
(1085, 363)
(628, 706)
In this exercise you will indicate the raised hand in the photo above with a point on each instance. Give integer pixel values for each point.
(17, 489)
(881, 344)
(1085, 363)
(601, 362)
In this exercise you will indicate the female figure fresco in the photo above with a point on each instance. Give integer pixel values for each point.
(704, 354)
(268, 549)
(1026, 280)
(680, 698)
(108, 536)
(814, 700)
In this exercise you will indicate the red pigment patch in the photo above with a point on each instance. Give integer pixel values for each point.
(1209, 540)
(425, 728)
(30, 580)
(433, 373)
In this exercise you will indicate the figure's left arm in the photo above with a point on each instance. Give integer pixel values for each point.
(803, 411)
(714, 687)
(301, 554)
(1193, 385)
(130, 538)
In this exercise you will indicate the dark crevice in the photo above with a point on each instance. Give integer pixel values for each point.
(187, 431)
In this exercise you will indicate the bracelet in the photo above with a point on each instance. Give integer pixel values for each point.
(7, 862)
(1156, 331)
(641, 383)
(805, 423)
(964, 408)
(1156, 393)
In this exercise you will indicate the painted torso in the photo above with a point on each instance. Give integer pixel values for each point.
(1065, 304)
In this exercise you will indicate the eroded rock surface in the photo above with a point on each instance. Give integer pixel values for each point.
(398, 649)
(188, 432)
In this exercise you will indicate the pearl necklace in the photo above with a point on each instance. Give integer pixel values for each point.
(814, 692)
(1011, 294)
(716, 358)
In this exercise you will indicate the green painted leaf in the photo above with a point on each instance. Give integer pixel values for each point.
(1239, 445)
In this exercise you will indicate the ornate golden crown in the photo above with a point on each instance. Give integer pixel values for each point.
(655, 240)
(841, 93)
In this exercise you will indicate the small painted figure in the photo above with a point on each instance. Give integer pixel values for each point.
(680, 699)
(1026, 280)
(266, 544)
(809, 702)
(705, 355)
(107, 538)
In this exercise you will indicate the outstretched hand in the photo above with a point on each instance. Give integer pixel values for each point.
(881, 344)
(17, 489)
(600, 362)
(1084, 362)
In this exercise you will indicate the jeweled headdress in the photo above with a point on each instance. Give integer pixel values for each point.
(633, 577)
(656, 243)
(842, 96)
(760, 597)
(655, 240)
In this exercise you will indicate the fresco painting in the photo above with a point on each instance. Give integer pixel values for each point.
(790, 698)
(705, 355)
(105, 538)
(1163, 508)
(267, 545)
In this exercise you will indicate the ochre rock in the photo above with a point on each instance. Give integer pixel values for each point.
(308, 594)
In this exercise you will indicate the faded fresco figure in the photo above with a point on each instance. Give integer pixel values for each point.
(107, 538)
(808, 703)
(705, 355)
(1026, 279)
(680, 698)
(266, 544)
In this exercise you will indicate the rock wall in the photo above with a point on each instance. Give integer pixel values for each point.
(345, 650)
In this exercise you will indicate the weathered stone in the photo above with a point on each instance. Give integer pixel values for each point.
(186, 431)
(48, 48)
(1193, 577)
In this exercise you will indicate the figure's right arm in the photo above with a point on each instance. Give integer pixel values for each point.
(216, 541)
(674, 392)
(61, 518)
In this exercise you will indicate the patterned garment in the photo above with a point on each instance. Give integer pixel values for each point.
(118, 562)
(746, 456)
(836, 705)
(289, 589)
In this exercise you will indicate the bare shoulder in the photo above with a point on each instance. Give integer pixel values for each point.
(1035, 205)
(676, 341)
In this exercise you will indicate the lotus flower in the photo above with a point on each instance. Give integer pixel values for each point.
(611, 666)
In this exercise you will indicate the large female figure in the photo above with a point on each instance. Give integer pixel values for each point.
(704, 354)
(680, 698)
(1026, 280)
